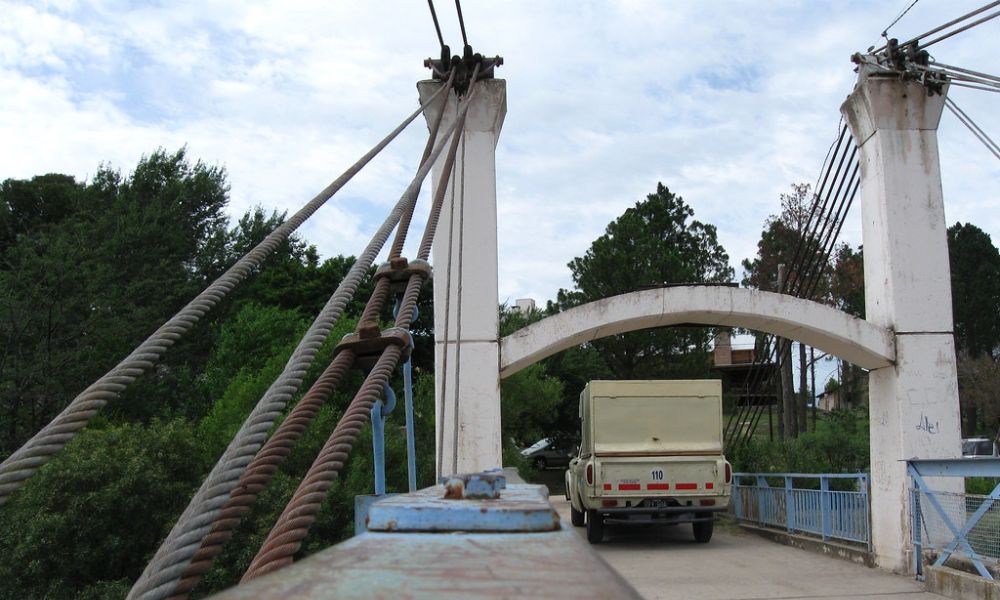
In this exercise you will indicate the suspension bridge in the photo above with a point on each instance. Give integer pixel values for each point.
(886, 152)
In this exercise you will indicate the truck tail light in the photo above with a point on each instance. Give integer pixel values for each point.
(590, 473)
(609, 503)
(729, 473)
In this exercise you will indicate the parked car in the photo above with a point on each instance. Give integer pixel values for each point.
(550, 453)
(979, 448)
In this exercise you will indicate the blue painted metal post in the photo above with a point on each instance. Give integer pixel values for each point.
(762, 502)
(411, 451)
(826, 512)
(737, 504)
(864, 488)
(789, 505)
(380, 410)
(918, 544)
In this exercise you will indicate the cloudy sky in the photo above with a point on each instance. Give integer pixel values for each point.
(726, 103)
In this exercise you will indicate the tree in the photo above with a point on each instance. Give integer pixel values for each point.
(87, 271)
(975, 290)
(653, 243)
(94, 515)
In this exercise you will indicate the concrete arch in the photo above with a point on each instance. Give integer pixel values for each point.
(815, 324)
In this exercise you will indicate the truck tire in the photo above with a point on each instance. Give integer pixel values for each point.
(703, 529)
(541, 464)
(575, 516)
(595, 527)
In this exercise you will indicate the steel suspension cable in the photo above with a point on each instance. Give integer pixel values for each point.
(971, 125)
(437, 26)
(404, 223)
(461, 21)
(285, 538)
(37, 451)
(946, 25)
(265, 464)
(961, 29)
(754, 376)
(171, 560)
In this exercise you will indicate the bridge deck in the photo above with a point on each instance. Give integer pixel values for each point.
(667, 563)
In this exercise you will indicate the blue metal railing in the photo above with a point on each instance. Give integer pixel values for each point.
(824, 512)
(951, 522)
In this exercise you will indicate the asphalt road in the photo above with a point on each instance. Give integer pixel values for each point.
(666, 562)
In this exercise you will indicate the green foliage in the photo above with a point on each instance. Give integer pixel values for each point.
(839, 445)
(975, 289)
(653, 243)
(530, 399)
(94, 514)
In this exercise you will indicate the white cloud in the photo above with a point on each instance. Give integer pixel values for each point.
(725, 104)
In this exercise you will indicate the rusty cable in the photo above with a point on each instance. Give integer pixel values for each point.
(404, 222)
(170, 562)
(279, 446)
(285, 538)
(37, 451)
(293, 525)
(260, 471)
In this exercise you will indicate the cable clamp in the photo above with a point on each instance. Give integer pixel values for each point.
(399, 271)
(368, 344)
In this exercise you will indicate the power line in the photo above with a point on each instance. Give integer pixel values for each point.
(461, 21)
(885, 32)
(437, 26)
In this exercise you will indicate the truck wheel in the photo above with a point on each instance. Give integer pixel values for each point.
(575, 516)
(541, 463)
(703, 529)
(595, 527)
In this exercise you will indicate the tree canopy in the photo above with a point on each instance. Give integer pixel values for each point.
(655, 242)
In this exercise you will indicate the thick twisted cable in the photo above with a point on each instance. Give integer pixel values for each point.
(285, 538)
(168, 565)
(37, 451)
(260, 471)
(292, 527)
(280, 444)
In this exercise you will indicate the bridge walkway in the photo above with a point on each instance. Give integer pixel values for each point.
(666, 563)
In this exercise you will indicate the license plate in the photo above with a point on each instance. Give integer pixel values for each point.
(656, 503)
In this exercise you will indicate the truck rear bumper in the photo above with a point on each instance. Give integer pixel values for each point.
(666, 515)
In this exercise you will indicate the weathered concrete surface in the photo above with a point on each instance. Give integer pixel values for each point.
(466, 323)
(812, 323)
(666, 563)
(914, 402)
(952, 583)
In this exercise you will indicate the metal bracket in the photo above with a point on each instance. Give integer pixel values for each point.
(398, 270)
(464, 66)
(368, 345)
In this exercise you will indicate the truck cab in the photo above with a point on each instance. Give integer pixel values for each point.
(650, 454)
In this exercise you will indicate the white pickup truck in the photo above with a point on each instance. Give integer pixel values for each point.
(650, 453)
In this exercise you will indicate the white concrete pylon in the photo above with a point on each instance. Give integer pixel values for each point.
(466, 319)
(913, 403)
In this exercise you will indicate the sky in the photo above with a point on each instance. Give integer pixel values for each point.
(725, 103)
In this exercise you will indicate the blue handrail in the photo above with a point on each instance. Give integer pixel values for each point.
(825, 512)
